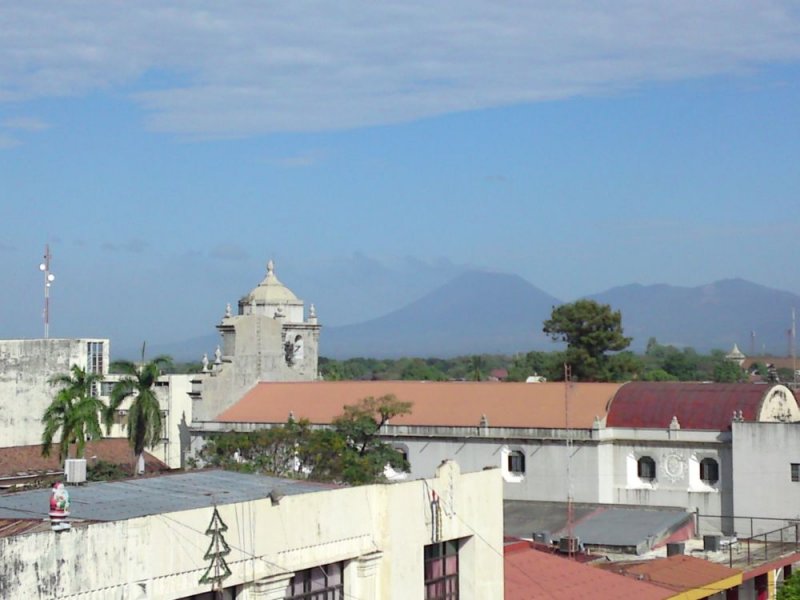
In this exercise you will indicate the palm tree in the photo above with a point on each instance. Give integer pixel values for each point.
(476, 368)
(144, 415)
(75, 411)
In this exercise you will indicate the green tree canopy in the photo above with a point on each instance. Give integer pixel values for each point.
(349, 452)
(590, 330)
(726, 371)
(144, 426)
(790, 590)
(75, 412)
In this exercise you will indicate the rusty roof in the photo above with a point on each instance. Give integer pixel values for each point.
(28, 460)
(455, 404)
(680, 573)
(696, 405)
(532, 575)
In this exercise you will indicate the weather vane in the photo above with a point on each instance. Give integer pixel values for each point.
(44, 267)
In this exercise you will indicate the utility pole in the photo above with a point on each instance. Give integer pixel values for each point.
(571, 545)
(44, 267)
(794, 349)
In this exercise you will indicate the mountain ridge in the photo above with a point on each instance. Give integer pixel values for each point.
(490, 312)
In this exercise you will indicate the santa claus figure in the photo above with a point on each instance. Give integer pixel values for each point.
(59, 507)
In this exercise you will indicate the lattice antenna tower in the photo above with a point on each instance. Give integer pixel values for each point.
(44, 267)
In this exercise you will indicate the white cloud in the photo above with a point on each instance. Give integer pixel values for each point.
(307, 159)
(25, 124)
(253, 67)
(228, 252)
(6, 141)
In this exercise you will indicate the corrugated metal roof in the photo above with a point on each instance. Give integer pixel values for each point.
(455, 404)
(696, 405)
(120, 500)
(533, 575)
(604, 525)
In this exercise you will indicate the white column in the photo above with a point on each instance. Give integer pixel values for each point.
(366, 576)
(270, 588)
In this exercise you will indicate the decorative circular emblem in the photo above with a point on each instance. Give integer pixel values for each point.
(674, 466)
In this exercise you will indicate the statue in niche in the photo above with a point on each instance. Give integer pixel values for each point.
(293, 351)
(288, 351)
(298, 350)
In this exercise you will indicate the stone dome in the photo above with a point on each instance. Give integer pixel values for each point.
(271, 290)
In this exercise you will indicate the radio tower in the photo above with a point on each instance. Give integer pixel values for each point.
(44, 267)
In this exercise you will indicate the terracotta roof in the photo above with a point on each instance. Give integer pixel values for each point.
(19, 460)
(696, 405)
(680, 573)
(532, 574)
(456, 404)
(780, 362)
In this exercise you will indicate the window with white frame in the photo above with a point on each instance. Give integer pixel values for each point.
(512, 464)
(516, 462)
(441, 571)
(646, 468)
(709, 471)
(795, 470)
(94, 357)
(402, 450)
(325, 582)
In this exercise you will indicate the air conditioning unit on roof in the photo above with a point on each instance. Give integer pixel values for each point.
(75, 470)
(569, 545)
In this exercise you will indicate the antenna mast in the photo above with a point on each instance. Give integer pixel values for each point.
(570, 509)
(44, 267)
(793, 349)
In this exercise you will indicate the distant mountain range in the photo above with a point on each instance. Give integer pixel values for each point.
(482, 312)
(494, 313)
(477, 312)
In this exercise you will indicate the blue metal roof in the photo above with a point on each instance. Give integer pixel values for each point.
(120, 500)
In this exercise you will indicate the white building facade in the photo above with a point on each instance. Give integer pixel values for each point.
(401, 541)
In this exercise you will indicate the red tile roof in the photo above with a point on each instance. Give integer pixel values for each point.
(18, 460)
(531, 574)
(696, 405)
(457, 404)
(680, 573)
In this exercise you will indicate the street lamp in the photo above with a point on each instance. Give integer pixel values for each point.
(44, 267)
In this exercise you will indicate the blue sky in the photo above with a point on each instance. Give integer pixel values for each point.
(166, 152)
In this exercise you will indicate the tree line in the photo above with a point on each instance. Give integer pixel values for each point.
(595, 350)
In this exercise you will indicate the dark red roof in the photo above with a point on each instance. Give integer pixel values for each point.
(20, 460)
(696, 405)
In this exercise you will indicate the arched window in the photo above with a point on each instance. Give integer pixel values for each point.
(646, 468)
(516, 462)
(709, 471)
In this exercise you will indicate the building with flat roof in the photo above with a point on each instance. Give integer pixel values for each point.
(153, 538)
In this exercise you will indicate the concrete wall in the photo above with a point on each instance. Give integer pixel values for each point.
(26, 367)
(762, 458)
(600, 465)
(379, 530)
